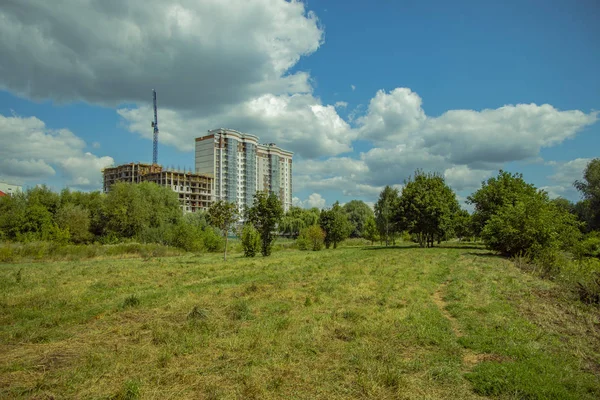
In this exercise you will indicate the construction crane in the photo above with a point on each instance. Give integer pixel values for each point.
(155, 126)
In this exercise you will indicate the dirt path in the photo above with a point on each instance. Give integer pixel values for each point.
(469, 357)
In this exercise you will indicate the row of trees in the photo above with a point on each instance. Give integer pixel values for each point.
(510, 215)
(144, 212)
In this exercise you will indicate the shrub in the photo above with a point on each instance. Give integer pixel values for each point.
(187, 237)
(311, 238)
(213, 242)
(250, 240)
(589, 246)
(530, 226)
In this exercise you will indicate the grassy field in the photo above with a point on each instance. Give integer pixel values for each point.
(339, 324)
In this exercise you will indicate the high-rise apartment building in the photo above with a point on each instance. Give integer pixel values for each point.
(241, 166)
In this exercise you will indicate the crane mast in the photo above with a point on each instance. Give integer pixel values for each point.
(155, 126)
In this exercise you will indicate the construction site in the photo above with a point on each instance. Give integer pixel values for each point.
(230, 166)
(194, 190)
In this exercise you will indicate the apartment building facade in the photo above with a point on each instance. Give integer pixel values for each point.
(241, 166)
(195, 191)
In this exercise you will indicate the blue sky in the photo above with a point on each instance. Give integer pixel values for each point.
(363, 92)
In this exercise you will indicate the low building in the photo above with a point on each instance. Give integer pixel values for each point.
(195, 191)
(7, 189)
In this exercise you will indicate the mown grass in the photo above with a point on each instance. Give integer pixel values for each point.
(354, 322)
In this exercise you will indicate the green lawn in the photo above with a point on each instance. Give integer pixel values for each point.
(337, 324)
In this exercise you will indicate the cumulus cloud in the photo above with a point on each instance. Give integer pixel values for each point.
(461, 177)
(295, 122)
(477, 138)
(228, 63)
(565, 173)
(32, 152)
(314, 200)
(199, 55)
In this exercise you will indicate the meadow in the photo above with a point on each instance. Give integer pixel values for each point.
(355, 322)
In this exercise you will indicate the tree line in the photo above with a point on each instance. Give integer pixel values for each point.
(510, 216)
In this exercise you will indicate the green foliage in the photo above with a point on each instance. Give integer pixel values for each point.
(385, 211)
(370, 231)
(76, 220)
(187, 236)
(590, 190)
(311, 238)
(530, 225)
(427, 208)
(463, 226)
(335, 224)
(250, 240)
(222, 215)
(506, 188)
(589, 246)
(358, 213)
(265, 214)
(296, 219)
(213, 242)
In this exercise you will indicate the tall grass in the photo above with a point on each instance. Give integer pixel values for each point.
(51, 251)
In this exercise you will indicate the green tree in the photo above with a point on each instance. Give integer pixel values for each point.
(131, 209)
(76, 220)
(462, 224)
(265, 214)
(13, 210)
(564, 204)
(223, 215)
(250, 240)
(311, 238)
(590, 190)
(385, 210)
(506, 188)
(358, 213)
(335, 224)
(427, 208)
(297, 219)
(530, 226)
(370, 231)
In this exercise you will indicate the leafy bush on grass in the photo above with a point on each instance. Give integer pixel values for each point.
(532, 225)
(250, 240)
(213, 242)
(311, 238)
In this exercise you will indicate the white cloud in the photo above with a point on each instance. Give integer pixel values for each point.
(198, 55)
(314, 200)
(340, 104)
(569, 172)
(32, 152)
(353, 87)
(461, 177)
(476, 138)
(565, 173)
(295, 122)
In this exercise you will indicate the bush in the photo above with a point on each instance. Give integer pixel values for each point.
(187, 237)
(531, 226)
(213, 242)
(250, 240)
(589, 246)
(311, 238)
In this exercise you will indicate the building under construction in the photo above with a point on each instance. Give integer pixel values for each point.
(195, 191)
